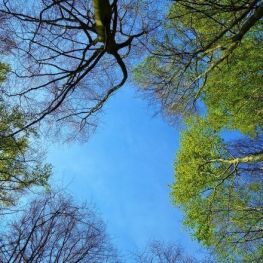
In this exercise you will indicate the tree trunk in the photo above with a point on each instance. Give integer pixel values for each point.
(257, 157)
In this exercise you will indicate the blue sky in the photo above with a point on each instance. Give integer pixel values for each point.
(125, 170)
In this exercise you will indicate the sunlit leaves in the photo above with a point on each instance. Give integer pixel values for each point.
(233, 93)
(220, 194)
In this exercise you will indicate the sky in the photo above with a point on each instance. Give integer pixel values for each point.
(125, 170)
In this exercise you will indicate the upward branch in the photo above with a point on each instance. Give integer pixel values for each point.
(249, 23)
(257, 157)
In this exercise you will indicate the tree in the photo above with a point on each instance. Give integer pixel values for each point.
(63, 69)
(55, 229)
(159, 252)
(203, 41)
(20, 164)
(219, 185)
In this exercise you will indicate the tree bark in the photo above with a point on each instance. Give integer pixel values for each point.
(251, 21)
(258, 157)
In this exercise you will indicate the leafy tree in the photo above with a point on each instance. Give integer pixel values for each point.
(203, 49)
(219, 185)
(55, 229)
(20, 164)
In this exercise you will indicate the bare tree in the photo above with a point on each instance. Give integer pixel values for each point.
(160, 252)
(63, 69)
(54, 229)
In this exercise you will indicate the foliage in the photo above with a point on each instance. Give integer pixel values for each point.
(233, 92)
(219, 186)
(205, 46)
(4, 69)
(20, 164)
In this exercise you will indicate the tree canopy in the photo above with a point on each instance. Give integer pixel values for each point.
(219, 186)
(201, 41)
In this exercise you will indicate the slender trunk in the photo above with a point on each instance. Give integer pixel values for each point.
(258, 157)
